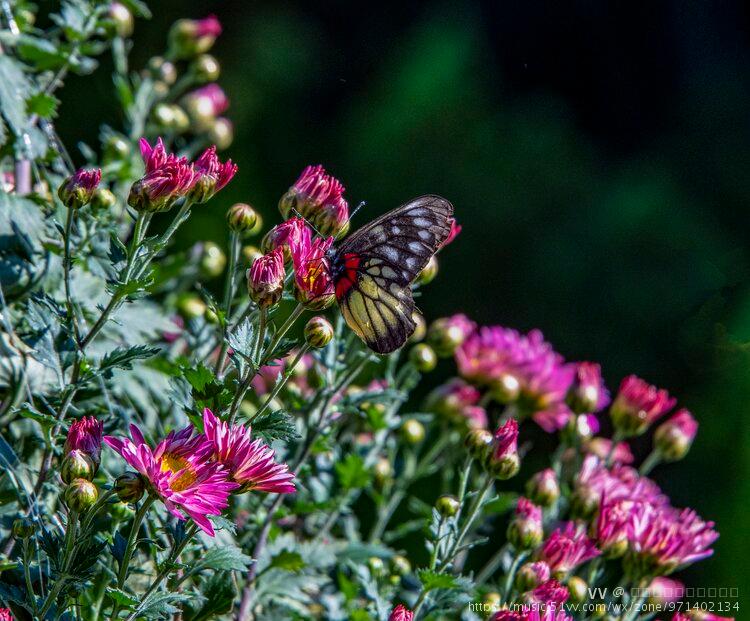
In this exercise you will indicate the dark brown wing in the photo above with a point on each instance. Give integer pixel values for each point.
(382, 259)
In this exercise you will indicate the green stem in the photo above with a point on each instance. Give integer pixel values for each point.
(70, 537)
(653, 460)
(252, 369)
(122, 575)
(285, 327)
(67, 264)
(617, 437)
(281, 382)
(234, 255)
(27, 575)
(491, 565)
(54, 592)
(517, 560)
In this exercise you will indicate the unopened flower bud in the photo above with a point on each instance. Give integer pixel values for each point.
(412, 431)
(318, 332)
(77, 465)
(221, 133)
(429, 271)
(121, 19)
(376, 566)
(525, 530)
(162, 70)
(23, 528)
(241, 217)
(206, 68)
(129, 487)
(478, 441)
(382, 471)
(447, 505)
(543, 488)
(638, 405)
(531, 575)
(423, 357)
(212, 260)
(587, 393)
(77, 190)
(265, 279)
(191, 306)
(205, 104)
(420, 328)
(115, 148)
(503, 461)
(664, 591)
(400, 565)
(448, 333)
(103, 199)
(578, 589)
(80, 495)
(189, 37)
(506, 388)
(674, 438)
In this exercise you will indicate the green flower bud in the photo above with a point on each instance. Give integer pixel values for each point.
(543, 488)
(423, 358)
(412, 431)
(162, 70)
(80, 495)
(213, 260)
(129, 487)
(506, 389)
(221, 133)
(447, 505)
(77, 190)
(77, 465)
(206, 68)
(382, 471)
(23, 528)
(121, 19)
(103, 199)
(429, 271)
(376, 565)
(241, 217)
(116, 148)
(479, 442)
(191, 306)
(318, 332)
(400, 565)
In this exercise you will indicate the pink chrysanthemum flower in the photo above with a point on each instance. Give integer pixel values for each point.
(613, 526)
(212, 175)
(265, 278)
(319, 198)
(291, 235)
(401, 613)
(638, 405)
(663, 539)
(78, 189)
(587, 393)
(457, 402)
(550, 593)
(167, 179)
(250, 462)
(312, 274)
(5, 614)
(85, 435)
(566, 548)
(180, 472)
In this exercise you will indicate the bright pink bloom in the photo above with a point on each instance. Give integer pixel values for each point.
(457, 401)
(293, 235)
(85, 435)
(550, 593)
(588, 392)
(208, 27)
(638, 405)
(532, 613)
(250, 462)
(179, 471)
(312, 273)
(613, 525)
(5, 614)
(167, 179)
(212, 175)
(455, 230)
(566, 548)
(319, 198)
(401, 613)
(265, 278)
(664, 590)
(674, 437)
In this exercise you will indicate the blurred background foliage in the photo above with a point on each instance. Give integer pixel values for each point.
(597, 154)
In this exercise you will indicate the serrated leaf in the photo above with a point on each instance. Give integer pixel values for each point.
(43, 105)
(243, 340)
(161, 605)
(123, 357)
(276, 425)
(352, 472)
(218, 593)
(432, 580)
(14, 89)
(122, 598)
(288, 561)
(227, 558)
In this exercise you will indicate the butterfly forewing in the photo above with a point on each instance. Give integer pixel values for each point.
(378, 263)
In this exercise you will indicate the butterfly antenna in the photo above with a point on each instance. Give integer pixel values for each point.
(350, 218)
(310, 224)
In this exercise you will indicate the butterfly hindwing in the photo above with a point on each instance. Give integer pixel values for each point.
(379, 262)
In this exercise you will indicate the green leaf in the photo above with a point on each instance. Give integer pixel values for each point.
(276, 425)
(161, 605)
(46, 420)
(43, 105)
(352, 472)
(219, 594)
(227, 558)
(199, 377)
(122, 598)
(14, 89)
(432, 580)
(243, 340)
(123, 358)
(288, 561)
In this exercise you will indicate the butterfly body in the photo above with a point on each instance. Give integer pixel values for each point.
(373, 269)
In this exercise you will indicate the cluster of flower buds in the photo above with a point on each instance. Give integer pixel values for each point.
(190, 37)
(82, 456)
(78, 189)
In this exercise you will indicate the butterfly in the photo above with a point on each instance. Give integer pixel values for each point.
(373, 268)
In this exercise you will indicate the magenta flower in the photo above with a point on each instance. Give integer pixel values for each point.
(312, 274)
(532, 613)
(674, 437)
(638, 405)
(663, 539)
(212, 175)
(180, 472)
(504, 461)
(613, 526)
(265, 279)
(457, 402)
(401, 613)
(566, 548)
(208, 27)
(77, 190)
(525, 530)
(550, 593)
(319, 198)
(167, 179)
(250, 462)
(207, 101)
(5, 614)
(85, 435)
(292, 234)
(587, 393)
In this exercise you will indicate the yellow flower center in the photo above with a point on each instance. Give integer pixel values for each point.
(175, 463)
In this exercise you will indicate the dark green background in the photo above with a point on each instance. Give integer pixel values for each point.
(597, 154)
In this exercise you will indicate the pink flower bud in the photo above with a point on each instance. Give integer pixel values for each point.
(78, 189)
(211, 175)
(312, 274)
(205, 104)
(638, 405)
(531, 575)
(317, 197)
(448, 333)
(674, 438)
(189, 37)
(265, 279)
(525, 530)
(85, 435)
(503, 461)
(401, 613)
(587, 393)
(167, 179)
(543, 488)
